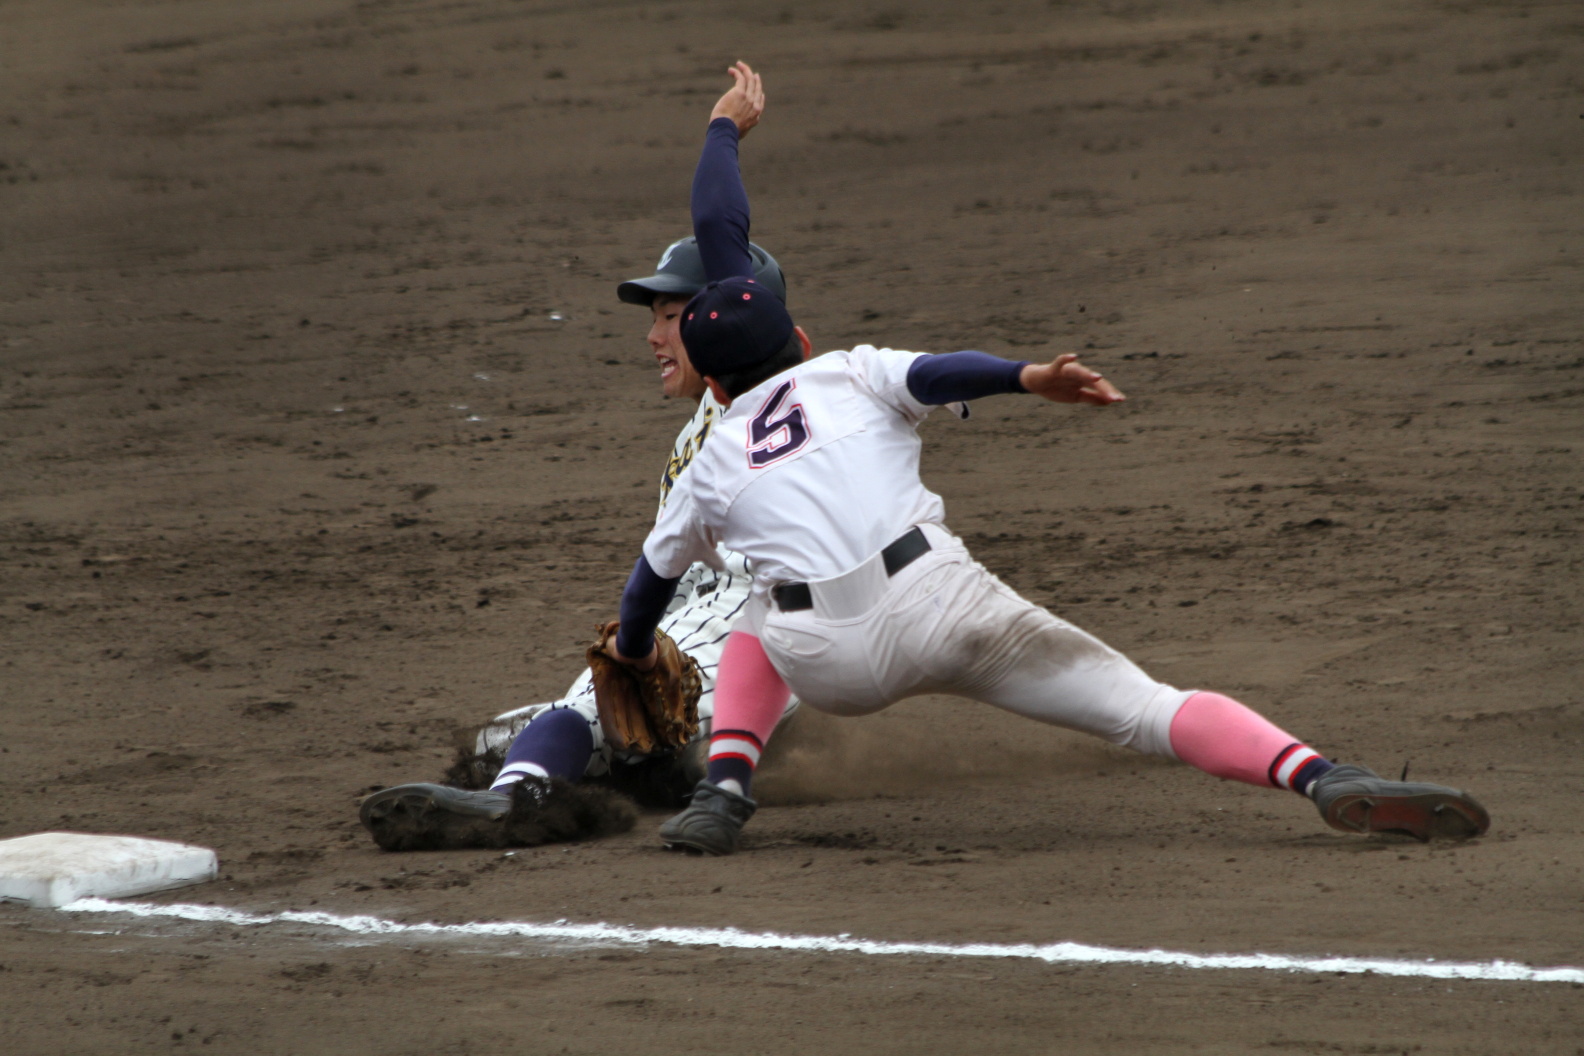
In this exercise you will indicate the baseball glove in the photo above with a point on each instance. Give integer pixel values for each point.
(645, 711)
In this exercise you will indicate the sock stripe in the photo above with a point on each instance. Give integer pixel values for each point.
(750, 760)
(748, 735)
(735, 744)
(512, 773)
(1289, 762)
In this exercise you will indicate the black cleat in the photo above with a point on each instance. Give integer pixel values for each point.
(1356, 799)
(711, 822)
(425, 817)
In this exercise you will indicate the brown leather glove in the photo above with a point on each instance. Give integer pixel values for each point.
(645, 711)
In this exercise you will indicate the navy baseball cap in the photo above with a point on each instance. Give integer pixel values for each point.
(681, 274)
(732, 325)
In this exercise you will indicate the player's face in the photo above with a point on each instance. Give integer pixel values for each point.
(677, 376)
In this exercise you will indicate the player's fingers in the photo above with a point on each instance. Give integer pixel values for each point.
(1079, 373)
(1103, 391)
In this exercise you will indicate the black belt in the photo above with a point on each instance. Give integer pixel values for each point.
(908, 548)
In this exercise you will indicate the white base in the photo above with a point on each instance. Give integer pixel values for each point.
(50, 869)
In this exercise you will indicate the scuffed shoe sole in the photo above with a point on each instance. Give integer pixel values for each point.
(699, 847)
(695, 832)
(1424, 816)
(427, 817)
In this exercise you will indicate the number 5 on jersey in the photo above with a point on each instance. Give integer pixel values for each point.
(777, 432)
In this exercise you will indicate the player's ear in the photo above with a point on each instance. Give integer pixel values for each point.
(718, 391)
(803, 339)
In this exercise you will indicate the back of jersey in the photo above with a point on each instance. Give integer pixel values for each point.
(816, 470)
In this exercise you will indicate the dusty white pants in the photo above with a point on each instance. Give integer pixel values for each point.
(945, 624)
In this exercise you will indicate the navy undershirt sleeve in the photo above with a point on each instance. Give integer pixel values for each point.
(720, 205)
(954, 376)
(643, 602)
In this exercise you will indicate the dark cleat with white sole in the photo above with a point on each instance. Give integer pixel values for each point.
(1356, 799)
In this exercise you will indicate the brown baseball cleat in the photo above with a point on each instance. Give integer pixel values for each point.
(1356, 799)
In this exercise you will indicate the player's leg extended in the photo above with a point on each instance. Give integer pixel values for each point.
(1067, 677)
(1223, 737)
(533, 800)
(750, 698)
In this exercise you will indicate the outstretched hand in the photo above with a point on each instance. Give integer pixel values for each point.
(1065, 380)
(745, 102)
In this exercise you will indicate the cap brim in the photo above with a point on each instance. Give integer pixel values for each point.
(644, 291)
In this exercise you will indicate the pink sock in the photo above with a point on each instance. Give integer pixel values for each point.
(749, 700)
(1222, 737)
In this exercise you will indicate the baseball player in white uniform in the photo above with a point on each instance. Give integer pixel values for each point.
(861, 595)
(563, 738)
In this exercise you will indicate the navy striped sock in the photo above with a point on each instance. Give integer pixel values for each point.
(733, 756)
(1297, 766)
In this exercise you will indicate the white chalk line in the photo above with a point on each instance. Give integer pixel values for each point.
(735, 939)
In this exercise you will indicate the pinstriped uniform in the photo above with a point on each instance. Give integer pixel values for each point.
(707, 603)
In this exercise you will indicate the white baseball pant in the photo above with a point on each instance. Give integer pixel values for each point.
(945, 624)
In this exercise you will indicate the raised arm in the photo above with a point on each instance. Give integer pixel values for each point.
(719, 202)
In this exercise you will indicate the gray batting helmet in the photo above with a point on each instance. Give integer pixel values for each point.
(681, 273)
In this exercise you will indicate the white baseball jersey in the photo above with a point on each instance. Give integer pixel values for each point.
(839, 434)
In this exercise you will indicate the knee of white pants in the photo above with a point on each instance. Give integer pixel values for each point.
(1151, 732)
(1067, 677)
(1135, 712)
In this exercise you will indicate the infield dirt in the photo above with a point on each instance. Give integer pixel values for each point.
(323, 434)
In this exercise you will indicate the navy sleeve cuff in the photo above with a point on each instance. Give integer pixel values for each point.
(955, 376)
